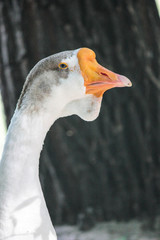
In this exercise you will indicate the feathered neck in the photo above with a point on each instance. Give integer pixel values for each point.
(21, 196)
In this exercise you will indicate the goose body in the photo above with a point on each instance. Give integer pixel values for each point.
(63, 84)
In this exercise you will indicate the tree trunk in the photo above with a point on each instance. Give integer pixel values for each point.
(109, 167)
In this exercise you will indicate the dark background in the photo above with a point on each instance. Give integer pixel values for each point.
(110, 168)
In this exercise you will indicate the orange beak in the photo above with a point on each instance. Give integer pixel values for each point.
(98, 79)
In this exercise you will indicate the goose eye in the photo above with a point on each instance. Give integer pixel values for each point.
(63, 65)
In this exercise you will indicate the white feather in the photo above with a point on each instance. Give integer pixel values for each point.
(23, 211)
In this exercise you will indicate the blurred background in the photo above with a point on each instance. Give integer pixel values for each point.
(108, 169)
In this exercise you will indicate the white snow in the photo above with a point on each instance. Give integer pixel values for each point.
(108, 231)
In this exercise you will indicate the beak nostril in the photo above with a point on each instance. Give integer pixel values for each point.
(104, 74)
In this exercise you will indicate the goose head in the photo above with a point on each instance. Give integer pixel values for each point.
(70, 82)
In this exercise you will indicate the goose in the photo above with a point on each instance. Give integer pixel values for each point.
(63, 84)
